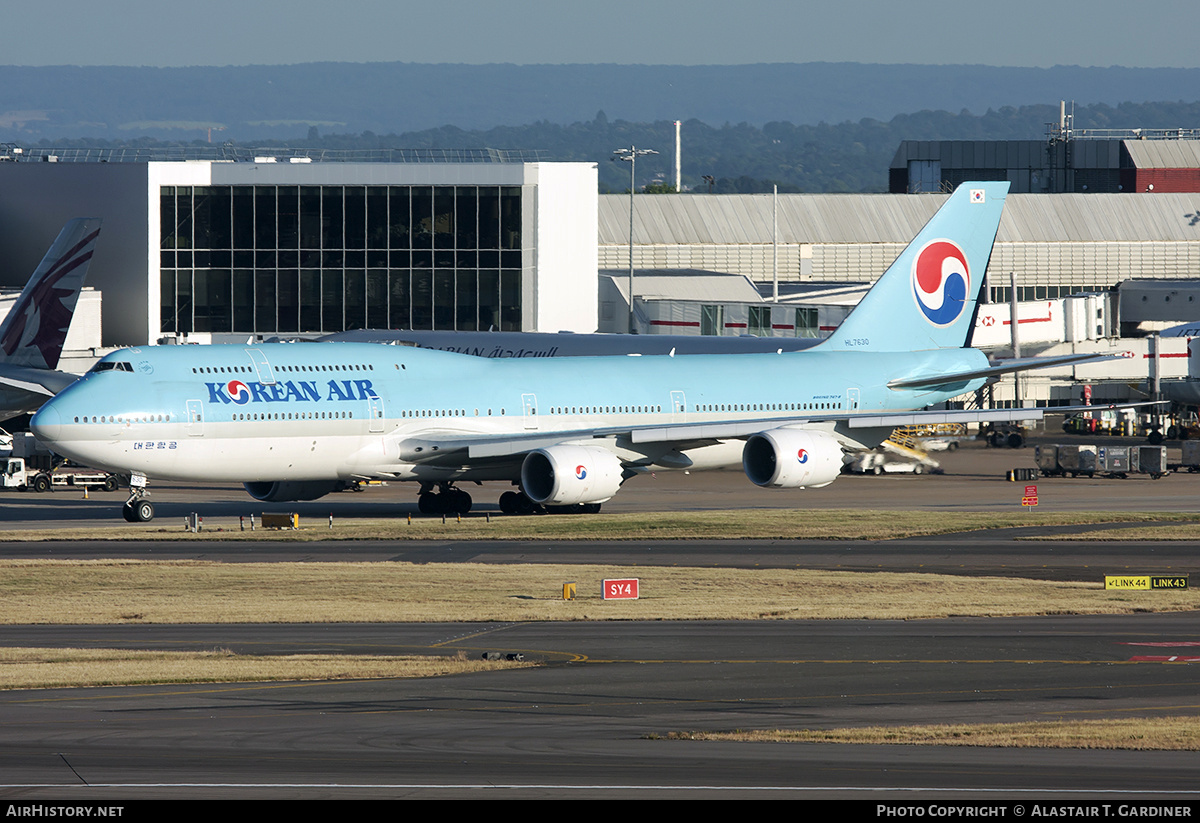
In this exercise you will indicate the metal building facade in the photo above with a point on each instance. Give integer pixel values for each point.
(1067, 161)
(1056, 244)
(238, 248)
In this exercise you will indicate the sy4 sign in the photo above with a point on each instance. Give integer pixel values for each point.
(626, 589)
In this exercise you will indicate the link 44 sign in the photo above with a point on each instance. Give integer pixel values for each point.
(626, 589)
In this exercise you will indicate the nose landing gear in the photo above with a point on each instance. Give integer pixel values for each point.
(138, 509)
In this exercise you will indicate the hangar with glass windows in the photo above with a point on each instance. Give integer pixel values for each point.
(287, 246)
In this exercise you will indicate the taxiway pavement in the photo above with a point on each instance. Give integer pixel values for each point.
(593, 722)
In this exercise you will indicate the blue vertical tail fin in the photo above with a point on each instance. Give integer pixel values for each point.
(926, 299)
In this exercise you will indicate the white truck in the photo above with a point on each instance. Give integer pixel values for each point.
(17, 475)
(28, 465)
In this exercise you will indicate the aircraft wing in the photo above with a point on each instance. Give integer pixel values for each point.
(683, 435)
(474, 446)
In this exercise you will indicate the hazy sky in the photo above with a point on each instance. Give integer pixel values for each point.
(242, 32)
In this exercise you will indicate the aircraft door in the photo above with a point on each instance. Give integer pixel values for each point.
(195, 418)
(376, 411)
(678, 407)
(529, 404)
(852, 399)
(266, 375)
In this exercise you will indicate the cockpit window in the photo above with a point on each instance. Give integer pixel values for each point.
(113, 365)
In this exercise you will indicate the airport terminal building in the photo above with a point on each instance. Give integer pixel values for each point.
(283, 245)
(1055, 244)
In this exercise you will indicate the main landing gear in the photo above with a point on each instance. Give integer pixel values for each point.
(451, 500)
(447, 500)
(519, 503)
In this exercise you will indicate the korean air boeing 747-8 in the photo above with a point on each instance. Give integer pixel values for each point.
(294, 422)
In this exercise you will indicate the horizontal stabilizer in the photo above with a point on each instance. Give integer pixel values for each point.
(1004, 367)
(37, 381)
(926, 418)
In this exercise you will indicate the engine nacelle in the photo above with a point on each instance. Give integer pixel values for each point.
(792, 458)
(566, 475)
(283, 491)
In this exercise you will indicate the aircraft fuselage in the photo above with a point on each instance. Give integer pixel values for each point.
(346, 410)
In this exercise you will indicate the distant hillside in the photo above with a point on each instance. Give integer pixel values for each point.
(260, 102)
(846, 157)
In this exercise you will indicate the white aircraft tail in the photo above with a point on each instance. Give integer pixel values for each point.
(35, 330)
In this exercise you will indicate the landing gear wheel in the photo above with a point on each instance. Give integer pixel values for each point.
(518, 503)
(137, 508)
(459, 501)
(143, 511)
(447, 501)
(508, 502)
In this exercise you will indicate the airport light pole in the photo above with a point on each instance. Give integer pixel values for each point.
(630, 155)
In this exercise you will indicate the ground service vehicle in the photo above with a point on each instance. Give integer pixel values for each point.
(18, 475)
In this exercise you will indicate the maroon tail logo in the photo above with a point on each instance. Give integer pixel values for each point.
(42, 314)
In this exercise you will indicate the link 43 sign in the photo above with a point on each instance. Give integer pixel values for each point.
(626, 589)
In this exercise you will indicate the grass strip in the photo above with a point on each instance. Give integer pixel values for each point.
(755, 524)
(134, 591)
(1183, 531)
(1139, 733)
(43, 668)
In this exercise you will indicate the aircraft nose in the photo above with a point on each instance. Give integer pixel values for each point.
(46, 424)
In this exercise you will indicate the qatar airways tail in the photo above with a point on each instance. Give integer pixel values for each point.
(34, 332)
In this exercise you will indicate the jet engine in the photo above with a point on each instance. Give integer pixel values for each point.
(792, 458)
(566, 475)
(280, 491)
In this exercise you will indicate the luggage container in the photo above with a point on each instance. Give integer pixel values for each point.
(1113, 460)
(1057, 460)
(1151, 460)
(1077, 460)
(1046, 458)
(1191, 455)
